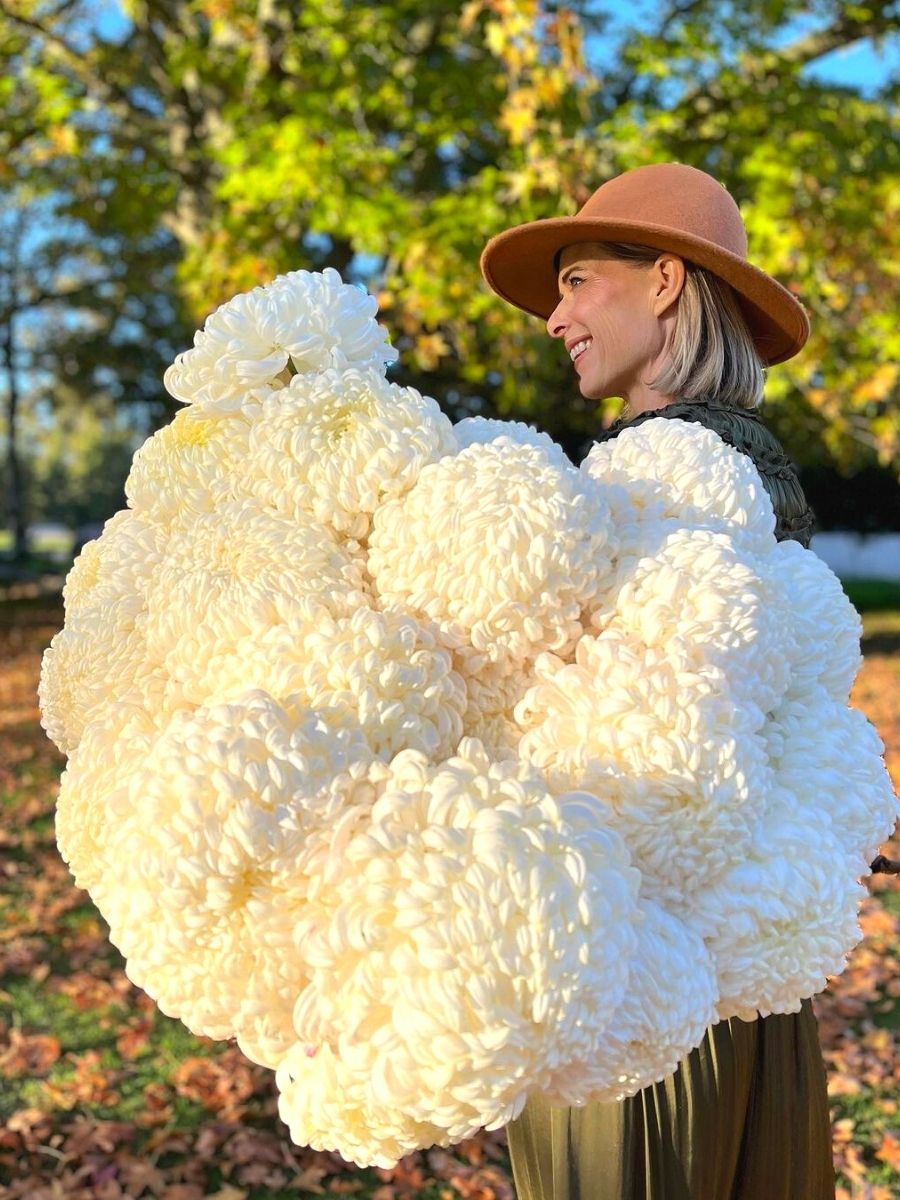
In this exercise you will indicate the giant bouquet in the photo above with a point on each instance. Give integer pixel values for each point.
(436, 770)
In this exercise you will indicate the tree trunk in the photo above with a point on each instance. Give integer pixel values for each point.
(15, 499)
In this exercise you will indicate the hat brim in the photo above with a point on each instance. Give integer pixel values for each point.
(518, 264)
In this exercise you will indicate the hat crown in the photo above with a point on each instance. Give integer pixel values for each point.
(674, 196)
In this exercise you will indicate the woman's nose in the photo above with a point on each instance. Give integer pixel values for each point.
(555, 324)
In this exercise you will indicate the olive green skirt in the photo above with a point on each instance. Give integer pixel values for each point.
(744, 1117)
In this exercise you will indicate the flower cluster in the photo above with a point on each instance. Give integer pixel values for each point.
(435, 769)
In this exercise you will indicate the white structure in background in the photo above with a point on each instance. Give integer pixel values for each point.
(860, 555)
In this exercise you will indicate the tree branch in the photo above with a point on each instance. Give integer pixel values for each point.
(93, 83)
(73, 296)
(681, 8)
(760, 63)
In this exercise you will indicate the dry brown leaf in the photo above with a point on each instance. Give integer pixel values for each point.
(91, 1084)
(219, 1084)
(134, 1038)
(308, 1180)
(29, 1054)
(889, 1150)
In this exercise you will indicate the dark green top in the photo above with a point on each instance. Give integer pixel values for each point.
(743, 429)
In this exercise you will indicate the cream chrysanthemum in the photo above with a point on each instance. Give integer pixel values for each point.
(101, 762)
(192, 465)
(492, 694)
(240, 572)
(654, 740)
(99, 658)
(204, 839)
(825, 627)
(501, 547)
(840, 775)
(458, 934)
(782, 920)
(676, 470)
(478, 431)
(113, 570)
(671, 999)
(303, 322)
(338, 444)
(384, 671)
(703, 600)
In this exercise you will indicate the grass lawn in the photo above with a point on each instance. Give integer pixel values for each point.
(103, 1098)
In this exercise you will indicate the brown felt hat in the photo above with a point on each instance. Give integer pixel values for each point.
(668, 206)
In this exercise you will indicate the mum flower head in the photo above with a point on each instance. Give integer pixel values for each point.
(466, 933)
(304, 321)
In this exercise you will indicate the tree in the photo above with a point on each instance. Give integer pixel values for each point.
(86, 282)
(391, 140)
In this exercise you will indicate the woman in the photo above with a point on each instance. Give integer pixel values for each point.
(649, 288)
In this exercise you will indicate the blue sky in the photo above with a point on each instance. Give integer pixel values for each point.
(862, 65)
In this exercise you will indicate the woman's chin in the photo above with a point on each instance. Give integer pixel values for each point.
(589, 388)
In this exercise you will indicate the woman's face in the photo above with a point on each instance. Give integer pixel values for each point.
(615, 307)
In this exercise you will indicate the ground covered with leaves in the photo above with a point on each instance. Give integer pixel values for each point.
(104, 1098)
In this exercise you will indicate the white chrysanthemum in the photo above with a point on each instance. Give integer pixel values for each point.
(305, 321)
(825, 627)
(192, 465)
(101, 762)
(384, 671)
(237, 573)
(500, 546)
(465, 937)
(655, 741)
(785, 918)
(671, 999)
(477, 431)
(99, 658)
(338, 444)
(114, 568)
(829, 758)
(492, 695)
(677, 470)
(702, 598)
(202, 888)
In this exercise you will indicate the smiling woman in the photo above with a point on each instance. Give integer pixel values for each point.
(650, 290)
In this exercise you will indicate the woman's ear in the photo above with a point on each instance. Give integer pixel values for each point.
(667, 276)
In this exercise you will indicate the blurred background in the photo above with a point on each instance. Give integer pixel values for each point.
(156, 158)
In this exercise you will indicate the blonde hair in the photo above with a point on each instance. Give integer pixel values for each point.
(712, 355)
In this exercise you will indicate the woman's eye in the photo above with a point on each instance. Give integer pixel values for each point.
(572, 279)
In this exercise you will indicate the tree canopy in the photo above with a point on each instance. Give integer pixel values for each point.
(203, 146)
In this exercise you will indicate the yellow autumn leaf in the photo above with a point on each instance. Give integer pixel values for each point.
(63, 139)
(518, 122)
(519, 184)
(470, 14)
(495, 37)
(550, 86)
(430, 349)
(879, 385)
